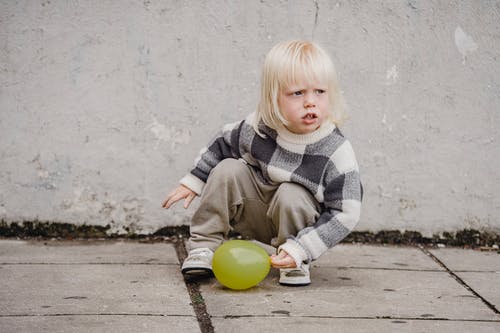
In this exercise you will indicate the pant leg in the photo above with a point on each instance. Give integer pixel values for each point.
(291, 209)
(232, 193)
(267, 213)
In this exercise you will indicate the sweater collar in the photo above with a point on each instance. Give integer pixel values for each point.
(323, 131)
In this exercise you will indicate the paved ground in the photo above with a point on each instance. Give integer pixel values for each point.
(127, 286)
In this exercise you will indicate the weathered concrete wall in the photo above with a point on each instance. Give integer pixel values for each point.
(105, 104)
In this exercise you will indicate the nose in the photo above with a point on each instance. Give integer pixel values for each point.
(309, 101)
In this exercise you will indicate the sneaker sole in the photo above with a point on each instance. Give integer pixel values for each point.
(295, 284)
(196, 271)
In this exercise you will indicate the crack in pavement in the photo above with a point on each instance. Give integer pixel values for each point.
(94, 314)
(360, 318)
(197, 301)
(459, 279)
(383, 269)
(86, 263)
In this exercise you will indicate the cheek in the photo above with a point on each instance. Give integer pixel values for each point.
(325, 104)
(283, 104)
(287, 106)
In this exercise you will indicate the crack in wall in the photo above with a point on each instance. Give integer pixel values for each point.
(316, 14)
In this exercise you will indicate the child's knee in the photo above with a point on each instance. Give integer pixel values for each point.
(229, 167)
(296, 198)
(289, 194)
(293, 208)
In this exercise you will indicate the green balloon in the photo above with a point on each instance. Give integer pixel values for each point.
(239, 264)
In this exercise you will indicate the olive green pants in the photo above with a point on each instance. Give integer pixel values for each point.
(235, 198)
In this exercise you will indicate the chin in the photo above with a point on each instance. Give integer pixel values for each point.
(309, 131)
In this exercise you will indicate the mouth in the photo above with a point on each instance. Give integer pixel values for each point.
(310, 116)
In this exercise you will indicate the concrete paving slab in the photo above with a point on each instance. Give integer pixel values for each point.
(129, 286)
(93, 251)
(96, 286)
(479, 270)
(344, 292)
(485, 284)
(105, 324)
(352, 325)
(93, 289)
(96, 278)
(373, 256)
(468, 260)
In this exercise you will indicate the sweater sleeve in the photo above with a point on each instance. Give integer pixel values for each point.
(223, 145)
(343, 193)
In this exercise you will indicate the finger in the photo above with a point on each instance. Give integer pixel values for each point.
(286, 261)
(277, 258)
(173, 200)
(170, 195)
(274, 264)
(164, 204)
(277, 262)
(280, 265)
(168, 201)
(188, 200)
(282, 254)
(284, 265)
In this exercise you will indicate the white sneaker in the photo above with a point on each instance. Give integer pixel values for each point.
(295, 276)
(199, 261)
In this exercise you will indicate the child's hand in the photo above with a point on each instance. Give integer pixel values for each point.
(282, 260)
(181, 192)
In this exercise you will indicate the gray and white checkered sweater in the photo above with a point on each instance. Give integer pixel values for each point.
(323, 162)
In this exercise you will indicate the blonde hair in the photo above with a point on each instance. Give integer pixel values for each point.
(286, 64)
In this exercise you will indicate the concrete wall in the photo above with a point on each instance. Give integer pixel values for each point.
(105, 104)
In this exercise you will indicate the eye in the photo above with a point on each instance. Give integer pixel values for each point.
(320, 91)
(297, 93)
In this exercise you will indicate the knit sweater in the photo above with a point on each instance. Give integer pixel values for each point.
(323, 162)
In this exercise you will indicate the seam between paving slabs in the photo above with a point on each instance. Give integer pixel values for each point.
(459, 279)
(359, 318)
(84, 263)
(193, 287)
(126, 314)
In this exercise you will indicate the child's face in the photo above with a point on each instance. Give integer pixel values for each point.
(305, 105)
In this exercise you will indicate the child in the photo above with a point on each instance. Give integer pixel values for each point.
(285, 175)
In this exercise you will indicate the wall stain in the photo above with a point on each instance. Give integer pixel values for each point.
(406, 205)
(468, 238)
